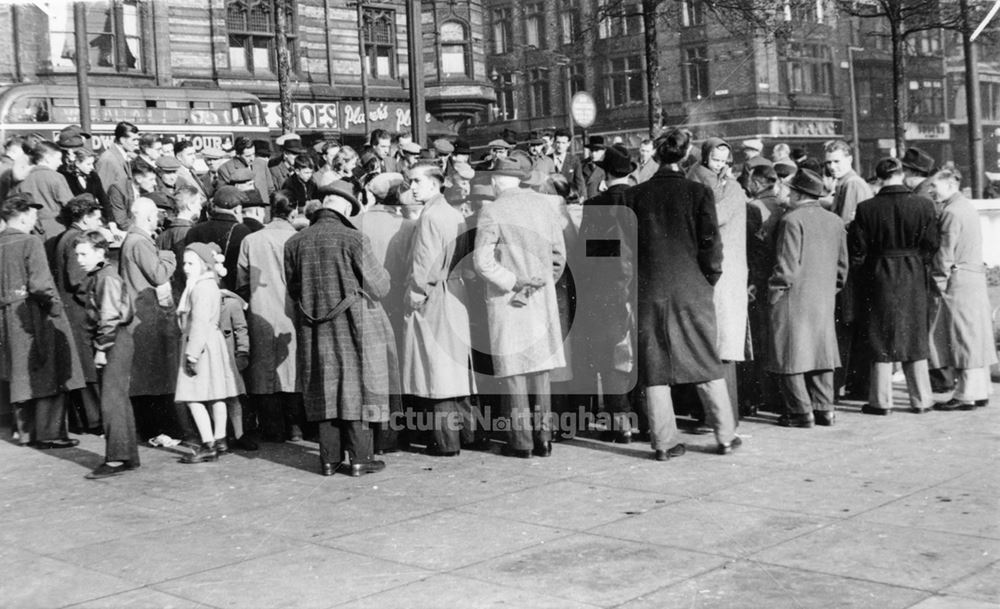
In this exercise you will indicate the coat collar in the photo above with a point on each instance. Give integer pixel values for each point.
(895, 189)
(219, 216)
(330, 216)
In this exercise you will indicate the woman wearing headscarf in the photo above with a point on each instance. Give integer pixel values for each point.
(731, 291)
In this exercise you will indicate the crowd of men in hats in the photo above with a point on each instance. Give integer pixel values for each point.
(161, 294)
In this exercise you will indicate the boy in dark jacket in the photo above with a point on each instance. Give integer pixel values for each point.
(109, 312)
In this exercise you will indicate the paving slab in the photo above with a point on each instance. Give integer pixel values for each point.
(304, 576)
(471, 539)
(593, 569)
(983, 585)
(177, 551)
(31, 581)
(750, 585)
(443, 591)
(897, 555)
(142, 598)
(714, 527)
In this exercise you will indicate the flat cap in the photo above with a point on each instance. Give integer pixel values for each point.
(342, 189)
(383, 183)
(443, 146)
(168, 163)
(211, 154)
(229, 197)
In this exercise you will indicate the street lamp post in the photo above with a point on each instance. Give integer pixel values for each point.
(415, 48)
(82, 63)
(854, 108)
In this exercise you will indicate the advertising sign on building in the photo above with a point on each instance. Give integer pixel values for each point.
(342, 116)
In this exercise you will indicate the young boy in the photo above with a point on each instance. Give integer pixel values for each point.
(109, 312)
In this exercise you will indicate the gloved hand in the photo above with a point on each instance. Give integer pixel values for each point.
(242, 361)
(190, 367)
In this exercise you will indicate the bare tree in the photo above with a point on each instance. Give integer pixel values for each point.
(904, 18)
(284, 65)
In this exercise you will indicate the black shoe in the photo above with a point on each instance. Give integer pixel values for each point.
(516, 453)
(366, 467)
(106, 471)
(967, 406)
(673, 452)
(919, 410)
(616, 437)
(725, 449)
(435, 451)
(826, 418)
(54, 444)
(244, 442)
(949, 406)
(981, 403)
(876, 410)
(543, 450)
(482, 444)
(328, 469)
(222, 446)
(796, 420)
(205, 452)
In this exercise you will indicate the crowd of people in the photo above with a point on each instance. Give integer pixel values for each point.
(397, 295)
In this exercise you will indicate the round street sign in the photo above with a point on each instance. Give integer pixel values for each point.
(583, 109)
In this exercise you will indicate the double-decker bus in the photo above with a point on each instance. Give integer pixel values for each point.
(208, 117)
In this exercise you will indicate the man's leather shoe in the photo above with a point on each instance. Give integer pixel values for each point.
(54, 444)
(435, 451)
(949, 406)
(875, 410)
(543, 450)
(106, 471)
(919, 410)
(967, 406)
(826, 418)
(981, 403)
(795, 420)
(616, 437)
(673, 452)
(508, 451)
(205, 452)
(222, 446)
(245, 442)
(725, 449)
(366, 467)
(328, 469)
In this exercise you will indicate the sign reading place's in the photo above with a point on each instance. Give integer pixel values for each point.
(346, 117)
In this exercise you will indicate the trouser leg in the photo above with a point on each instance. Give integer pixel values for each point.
(358, 436)
(116, 411)
(663, 433)
(24, 420)
(329, 442)
(386, 434)
(942, 380)
(819, 385)
(50, 418)
(294, 412)
(795, 394)
(718, 409)
(446, 425)
(466, 412)
(880, 385)
(918, 384)
(616, 400)
(973, 384)
(541, 401)
(845, 342)
(271, 418)
(85, 406)
(518, 412)
(729, 377)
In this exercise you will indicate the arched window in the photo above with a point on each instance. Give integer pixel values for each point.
(456, 58)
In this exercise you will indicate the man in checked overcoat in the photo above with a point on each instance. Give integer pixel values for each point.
(336, 283)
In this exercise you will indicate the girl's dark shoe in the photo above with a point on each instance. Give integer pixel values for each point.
(205, 452)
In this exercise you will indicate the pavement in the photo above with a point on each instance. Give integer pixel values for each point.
(875, 512)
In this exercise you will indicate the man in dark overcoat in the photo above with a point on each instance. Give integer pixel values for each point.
(893, 237)
(679, 254)
(225, 229)
(37, 363)
(604, 298)
(146, 272)
(336, 283)
(811, 268)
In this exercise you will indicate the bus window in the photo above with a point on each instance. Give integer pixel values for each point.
(245, 114)
(28, 110)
